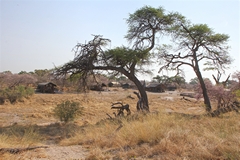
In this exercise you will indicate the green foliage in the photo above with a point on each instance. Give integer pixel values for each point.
(147, 12)
(162, 79)
(22, 72)
(194, 81)
(16, 93)
(178, 79)
(67, 111)
(237, 93)
(41, 72)
(166, 80)
(123, 56)
(75, 77)
(147, 21)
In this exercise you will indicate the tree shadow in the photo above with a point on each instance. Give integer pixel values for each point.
(49, 134)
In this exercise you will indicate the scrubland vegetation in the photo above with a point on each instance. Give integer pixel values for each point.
(175, 128)
(13, 95)
(184, 133)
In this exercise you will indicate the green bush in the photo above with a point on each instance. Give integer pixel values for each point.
(67, 111)
(15, 93)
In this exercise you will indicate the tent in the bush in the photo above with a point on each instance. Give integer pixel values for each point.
(47, 87)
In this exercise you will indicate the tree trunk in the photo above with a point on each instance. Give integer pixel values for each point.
(141, 89)
(204, 90)
(133, 78)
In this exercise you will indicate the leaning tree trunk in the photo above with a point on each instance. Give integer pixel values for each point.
(204, 90)
(134, 79)
(141, 89)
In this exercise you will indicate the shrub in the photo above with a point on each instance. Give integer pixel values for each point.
(67, 111)
(15, 93)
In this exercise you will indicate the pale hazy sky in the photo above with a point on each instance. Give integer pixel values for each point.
(36, 34)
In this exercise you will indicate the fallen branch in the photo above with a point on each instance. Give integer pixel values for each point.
(19, 150)
(121, 108)
(234, 106)
(109, 116)
(120, 126)
(183, 98)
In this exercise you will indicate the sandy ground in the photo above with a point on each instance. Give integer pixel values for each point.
(38, 111)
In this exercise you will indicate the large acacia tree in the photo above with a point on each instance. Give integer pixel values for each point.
(196, 44)
(92, 57)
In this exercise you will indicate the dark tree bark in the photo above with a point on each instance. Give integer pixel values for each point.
(204, 89)
(134, 79)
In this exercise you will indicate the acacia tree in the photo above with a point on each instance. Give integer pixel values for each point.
(91, 57)
(195, 44)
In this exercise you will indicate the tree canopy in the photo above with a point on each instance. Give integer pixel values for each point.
(148, 23)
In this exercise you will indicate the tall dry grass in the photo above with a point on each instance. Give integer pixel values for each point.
(163, 136)
(16, 136)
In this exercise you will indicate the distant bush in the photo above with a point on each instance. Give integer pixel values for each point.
(67, 111)
(237, 92)
(15, 93)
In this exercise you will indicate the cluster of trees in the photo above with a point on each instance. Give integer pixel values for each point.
(192, 44)
(10, 80)
(179, 81)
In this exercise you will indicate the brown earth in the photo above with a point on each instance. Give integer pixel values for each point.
(37, 111)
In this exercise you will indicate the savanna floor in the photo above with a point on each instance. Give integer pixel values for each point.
(31, 123)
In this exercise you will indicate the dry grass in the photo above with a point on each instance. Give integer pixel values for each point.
(19, 136)
(165, 136)
(158, 135)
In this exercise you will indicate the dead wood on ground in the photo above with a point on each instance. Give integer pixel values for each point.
(19, 150)
(121, 108)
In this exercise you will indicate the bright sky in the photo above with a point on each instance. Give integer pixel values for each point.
(36, 34)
